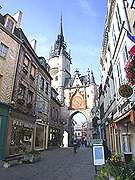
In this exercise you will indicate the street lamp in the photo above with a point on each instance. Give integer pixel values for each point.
(99, 128)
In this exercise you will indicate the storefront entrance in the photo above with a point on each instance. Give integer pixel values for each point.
(4, 110)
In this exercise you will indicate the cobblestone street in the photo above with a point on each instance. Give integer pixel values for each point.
(56, 164)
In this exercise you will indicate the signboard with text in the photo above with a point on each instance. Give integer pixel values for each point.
(98, 154)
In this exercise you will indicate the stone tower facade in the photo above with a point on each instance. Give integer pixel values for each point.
(59, 62)
(77, 93)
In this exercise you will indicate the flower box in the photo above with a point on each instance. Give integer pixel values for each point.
(32, 156)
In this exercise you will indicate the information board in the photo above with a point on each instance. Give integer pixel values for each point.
(98, 154)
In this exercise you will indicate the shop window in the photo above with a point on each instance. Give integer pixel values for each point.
(39, 141)
(126, 144)
(3, 50)
(9, 25)
(21, 139)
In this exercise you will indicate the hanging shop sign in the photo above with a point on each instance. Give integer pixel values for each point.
(125, 90)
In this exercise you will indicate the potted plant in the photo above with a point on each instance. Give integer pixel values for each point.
(116, 169)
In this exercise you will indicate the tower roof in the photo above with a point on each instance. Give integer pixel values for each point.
(60, 45)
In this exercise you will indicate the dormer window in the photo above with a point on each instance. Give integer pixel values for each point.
(9, 25)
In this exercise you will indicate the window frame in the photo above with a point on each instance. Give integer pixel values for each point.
(9, 25)
(5, 48)
(42, 83)
(30, 96)
(33, 67)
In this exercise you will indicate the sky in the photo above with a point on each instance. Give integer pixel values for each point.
(83, 26)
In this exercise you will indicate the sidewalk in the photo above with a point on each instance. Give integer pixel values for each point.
(57, 164)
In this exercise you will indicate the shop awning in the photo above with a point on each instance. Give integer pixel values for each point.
(129, 115)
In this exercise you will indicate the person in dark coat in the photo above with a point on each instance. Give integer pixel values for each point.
(75, 145)
(107, 152)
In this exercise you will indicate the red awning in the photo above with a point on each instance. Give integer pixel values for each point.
(132, 51)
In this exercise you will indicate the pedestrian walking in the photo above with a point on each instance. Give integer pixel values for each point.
(75, 145)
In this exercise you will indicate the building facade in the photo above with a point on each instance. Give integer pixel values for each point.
(22, 117)
(117, 112)
(55, 122)
(25, 91)
(76, 94)
(43, 97)
(81, 95)
(9, 51)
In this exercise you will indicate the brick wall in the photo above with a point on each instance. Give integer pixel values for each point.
(8, 66)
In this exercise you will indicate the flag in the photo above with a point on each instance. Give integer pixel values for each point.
(130, 36)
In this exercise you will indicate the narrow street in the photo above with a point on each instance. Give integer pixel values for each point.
(56, 164)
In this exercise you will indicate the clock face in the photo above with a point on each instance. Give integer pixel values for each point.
(77, 102)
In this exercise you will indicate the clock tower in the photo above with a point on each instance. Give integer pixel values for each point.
(59, 62)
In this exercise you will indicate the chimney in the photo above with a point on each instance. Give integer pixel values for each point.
(33, 44)
(18, 17)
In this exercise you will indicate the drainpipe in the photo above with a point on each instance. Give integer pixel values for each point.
(126, 14)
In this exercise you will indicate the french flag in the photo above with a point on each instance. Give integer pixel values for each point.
(131, 37)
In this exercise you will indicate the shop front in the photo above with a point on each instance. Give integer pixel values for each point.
(4, 113)
(20, 134)
(124, 136)
(40, 136)
(54, 137)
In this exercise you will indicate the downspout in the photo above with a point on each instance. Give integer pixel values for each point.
(126, 15)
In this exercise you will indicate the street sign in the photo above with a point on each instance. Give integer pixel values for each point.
(125, 90)
(98, 154)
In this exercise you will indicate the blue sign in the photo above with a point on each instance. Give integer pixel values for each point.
(98, 154)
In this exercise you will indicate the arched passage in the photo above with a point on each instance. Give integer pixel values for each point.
(78, 126)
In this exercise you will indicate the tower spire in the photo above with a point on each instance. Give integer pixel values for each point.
(92, 77)
(61, 26)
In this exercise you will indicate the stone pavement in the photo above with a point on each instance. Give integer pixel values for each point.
(56, 164)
